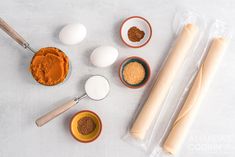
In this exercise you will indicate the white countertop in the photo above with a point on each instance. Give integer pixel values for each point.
(22, 100)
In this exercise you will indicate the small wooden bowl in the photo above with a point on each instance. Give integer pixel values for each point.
(139, 60)
(140, 23)
(85, 138)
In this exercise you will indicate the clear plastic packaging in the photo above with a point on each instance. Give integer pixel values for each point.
(147, 127)
(181, 116)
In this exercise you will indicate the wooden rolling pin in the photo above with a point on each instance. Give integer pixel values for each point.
(165, 78)
(198, 89)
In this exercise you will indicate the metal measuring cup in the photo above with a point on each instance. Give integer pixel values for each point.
(20, 40)
(89, 92)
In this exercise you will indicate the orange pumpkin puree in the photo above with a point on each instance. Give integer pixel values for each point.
(49, 66)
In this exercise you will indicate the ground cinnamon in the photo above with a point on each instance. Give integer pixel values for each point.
(135, 34)
(86, 125)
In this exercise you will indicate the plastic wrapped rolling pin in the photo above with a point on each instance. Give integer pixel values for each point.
(152, 106)
(200, 84)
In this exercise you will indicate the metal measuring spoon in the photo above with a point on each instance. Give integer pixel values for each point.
(96, 88)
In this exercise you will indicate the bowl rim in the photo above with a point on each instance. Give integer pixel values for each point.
(99, 120)
(131, 17)
(120, 72)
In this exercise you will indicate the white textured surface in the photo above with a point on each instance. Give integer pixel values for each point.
(22, 100)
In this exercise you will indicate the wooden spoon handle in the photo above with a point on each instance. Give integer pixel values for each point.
(12, 33)
(54, 113)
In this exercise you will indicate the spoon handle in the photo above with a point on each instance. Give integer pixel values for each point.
(56, 112)
(12, 33)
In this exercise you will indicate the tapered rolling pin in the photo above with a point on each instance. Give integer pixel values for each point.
(165, 78)
(198, 89)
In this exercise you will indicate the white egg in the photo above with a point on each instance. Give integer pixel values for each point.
(72, 34)
(104, 56)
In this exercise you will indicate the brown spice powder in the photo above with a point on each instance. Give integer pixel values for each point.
(135, 34)
(86, 125)
(134, 73)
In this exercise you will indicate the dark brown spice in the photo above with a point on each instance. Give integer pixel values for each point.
(86, 125)
(135, 34)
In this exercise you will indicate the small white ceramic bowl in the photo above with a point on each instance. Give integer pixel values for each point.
(140, 23)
